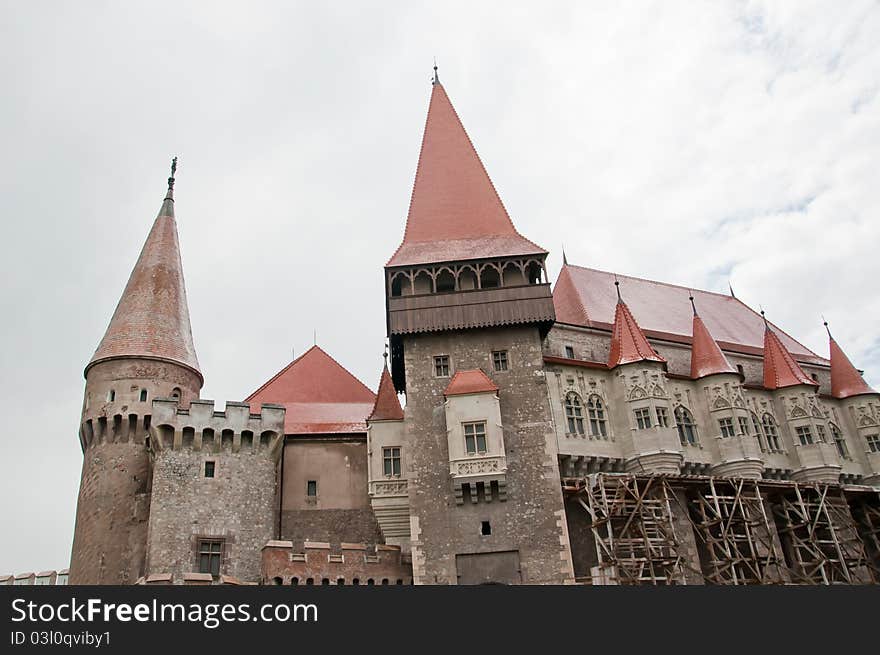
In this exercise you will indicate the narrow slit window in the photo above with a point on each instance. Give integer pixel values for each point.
(210, 467)
(312, 488)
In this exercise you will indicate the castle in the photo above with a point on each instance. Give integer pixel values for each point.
(607, 430)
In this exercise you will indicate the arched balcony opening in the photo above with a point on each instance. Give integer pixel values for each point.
(489, 277)
(423, 283)
(445, 281)
(400, 285)
(467, 278)
(534, 272)
(512, 275)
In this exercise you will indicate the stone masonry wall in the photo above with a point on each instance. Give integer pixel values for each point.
(531, 520)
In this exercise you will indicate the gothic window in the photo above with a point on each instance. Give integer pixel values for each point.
(662, 417)
(743, 425)
(475, 438)
(574, 413)
(441, 366)
(726, 425)
(687, 431)
(839, 441)
(873, 443)
(210, 554)
(804, 434)
(499, 360)
(756, 427)
(596, 413)
(772, 433)
(643, 418)
(391, 460)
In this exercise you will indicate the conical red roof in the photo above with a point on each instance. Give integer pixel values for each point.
(780, 368)
(628, 342)
(320, 396)
(387, 407)
(455, 213)
(152, 317)
(846, 380)
(706, 356)
(471, 381)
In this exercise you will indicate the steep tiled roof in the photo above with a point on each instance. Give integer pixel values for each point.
(846, 380)
(455, 212)
(320, 396)
(706, 356)
(387, 407)
(780, 368)
(152, 317)
(472, 381)
(628, 342)
(585, 296)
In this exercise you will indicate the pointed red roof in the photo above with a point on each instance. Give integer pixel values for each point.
(320, 396)
(152, 317)
(473, 381)
(585, 296)
(628, 342)
(455, 212)
(780, 368)
(387, 407)
(846, 380)
(706, 356)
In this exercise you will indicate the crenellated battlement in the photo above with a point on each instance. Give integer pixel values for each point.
(199, 427)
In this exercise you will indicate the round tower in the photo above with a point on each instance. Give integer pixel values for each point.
(146, 353)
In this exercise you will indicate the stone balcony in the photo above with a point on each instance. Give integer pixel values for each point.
(818, 462)
(740, 457)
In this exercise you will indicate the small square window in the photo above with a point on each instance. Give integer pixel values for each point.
(499, 360)
(569, 352)
(804, 434)
(441, 366)
(643, 418)
(312, 488)
(209, 469)
(873, 443)
(726, 425)
(210, 556)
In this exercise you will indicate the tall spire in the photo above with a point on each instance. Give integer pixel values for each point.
(706, 355)
(628, 342)
(846, 380)
(780, 368)
(152, 317)
(455, 212)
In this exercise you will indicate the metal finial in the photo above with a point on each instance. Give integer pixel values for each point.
(764, 316)
(827, 329)
(436, 75)
(617, 286)
(564, 258)
(693, 305)
(173, 171)
(730, 286)
(385, 355)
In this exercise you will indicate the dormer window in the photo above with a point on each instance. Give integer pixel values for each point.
(475, 438)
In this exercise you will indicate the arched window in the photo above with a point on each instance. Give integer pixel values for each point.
(111, 395)
(772, 433)
(687, 430)
(839, 441)
(175, 393)
(574, 413)
(596, 414)
(759, 433)
(143, 395)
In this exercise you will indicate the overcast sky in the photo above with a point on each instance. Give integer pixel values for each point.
(693, 143)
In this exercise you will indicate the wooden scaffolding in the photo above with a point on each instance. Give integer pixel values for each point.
(732, 524)
(633, 530)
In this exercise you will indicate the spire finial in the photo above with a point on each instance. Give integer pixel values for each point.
(173, 171)
(385, 355)
(564, 258)
(436, 75)
(617, 286)
(730, 286)
(827, 329)
(693, 305)
(764, 316)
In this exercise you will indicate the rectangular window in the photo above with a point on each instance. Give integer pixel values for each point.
(569, 352)
(499, 360)
(643, 418)
(210, 554)
(475, 438)
(441, 366)
(662, 417)
(391, 460)
(820, 432)
(743, 425)
(209, 469)
(873, 443)
(312, 488)
(804, 434)
(726, 425)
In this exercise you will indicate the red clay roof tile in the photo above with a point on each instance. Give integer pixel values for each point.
(152, 317)
(387, 406)
(455, 212)
(706, 356)
(846, 380)
(472, 381)
(628, 342)
(780, 368)
(319, 394)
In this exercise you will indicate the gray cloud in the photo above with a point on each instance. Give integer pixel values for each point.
(678, 141)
